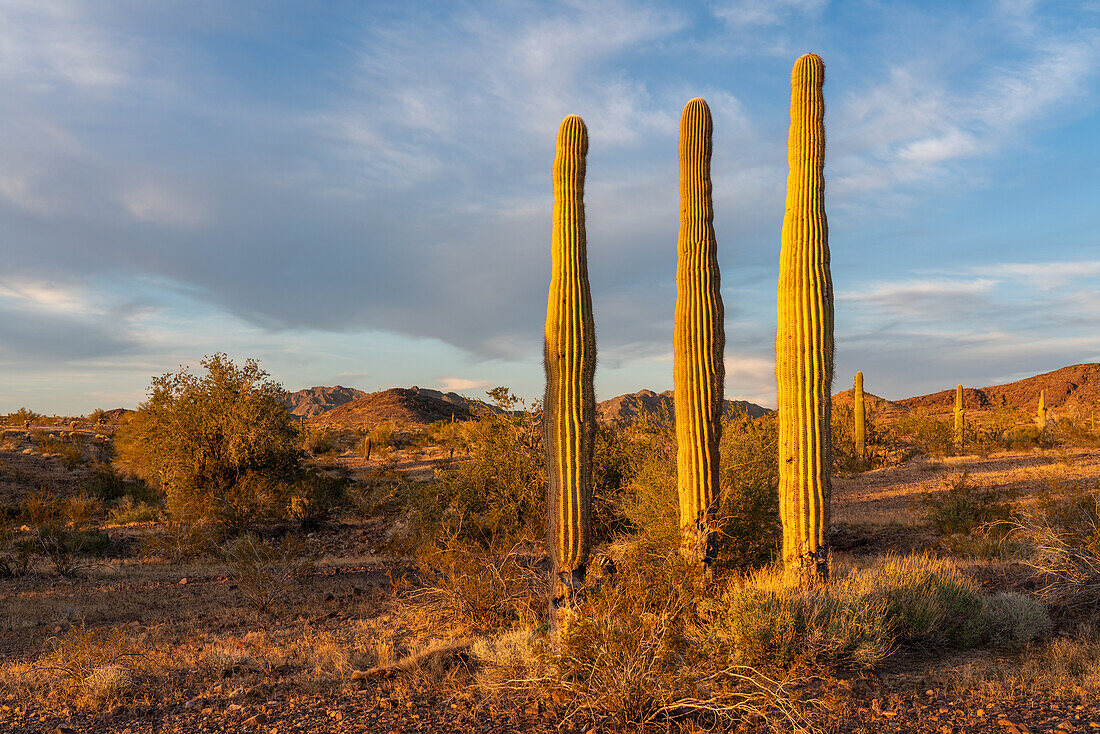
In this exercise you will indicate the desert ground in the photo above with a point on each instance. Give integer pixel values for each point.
(179, 646)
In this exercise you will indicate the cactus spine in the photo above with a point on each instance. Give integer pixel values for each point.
(859, 412)
(570, 359)
(804, 339)
(1041, 417)
(960, 420)
(698, 340)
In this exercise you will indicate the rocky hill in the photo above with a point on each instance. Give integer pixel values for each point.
(313, 401)
(875, 404)
(628, 407)
(401, 407)
(1073, 386)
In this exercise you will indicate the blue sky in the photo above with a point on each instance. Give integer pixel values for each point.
(359, 192)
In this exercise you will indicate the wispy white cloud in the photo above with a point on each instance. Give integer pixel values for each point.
(926, 118)
(764, 12)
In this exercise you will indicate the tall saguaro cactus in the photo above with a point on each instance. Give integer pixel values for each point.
(804, 339)
(960, 420)
(1041, 416)
(859, 413)
(698, 340)
(569, 408)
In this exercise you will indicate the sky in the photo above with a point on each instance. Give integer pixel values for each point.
(359, 193)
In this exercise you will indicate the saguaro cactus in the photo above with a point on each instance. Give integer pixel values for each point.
(859, 413)
(804, 339)
(1041, 416)
(698, 340)
(960, 420)
(569, 408)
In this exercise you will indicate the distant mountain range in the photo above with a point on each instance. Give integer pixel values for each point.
(316, 400)
(409, 407)
(399, 406)
(628, 407)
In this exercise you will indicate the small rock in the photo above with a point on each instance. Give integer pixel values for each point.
(183, 581)
(258, 720)
(234, 707)
(207, 711)
(64, 730)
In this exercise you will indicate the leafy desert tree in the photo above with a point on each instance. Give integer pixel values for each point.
(220, 446)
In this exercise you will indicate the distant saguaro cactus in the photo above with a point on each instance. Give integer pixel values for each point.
(960, 420)
(569, 407)
(1041, 416)
(859, 413)
(804, 339)
(698, 340)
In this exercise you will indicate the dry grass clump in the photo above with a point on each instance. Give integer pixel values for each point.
(637, 652)
(85, 667)
(1062, 530)
(856, 621)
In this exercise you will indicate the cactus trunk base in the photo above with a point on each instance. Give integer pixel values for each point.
(566, 592)
(808, 570)
(699, 544)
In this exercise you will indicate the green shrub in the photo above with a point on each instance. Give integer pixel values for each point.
(919, 432)
(216, 445)
(857, 620)
(1015, 620)
(312, 499)
(963, 507)
(105, 483)
(127, 511)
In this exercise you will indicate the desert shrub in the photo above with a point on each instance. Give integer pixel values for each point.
(477, 588)
(216, 445)
(182, 541)
(128, 511)
(964, 507)
(1015, 620)
(16, 552)
(922, 433)
(266, 572)
(855, 621)
(318, 441)
(70, 451)
(1062, 532)
(1071, 431)
(313, 498)
(105, 483)
(62, 530)
(22, 417)
(497, 497)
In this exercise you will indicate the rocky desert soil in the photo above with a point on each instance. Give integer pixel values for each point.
(209, 663)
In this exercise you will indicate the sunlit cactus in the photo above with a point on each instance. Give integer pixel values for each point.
(1041, 416)
(804, 339)
(960, 420)
(698, 340)
(569, 408)
(859, 413)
